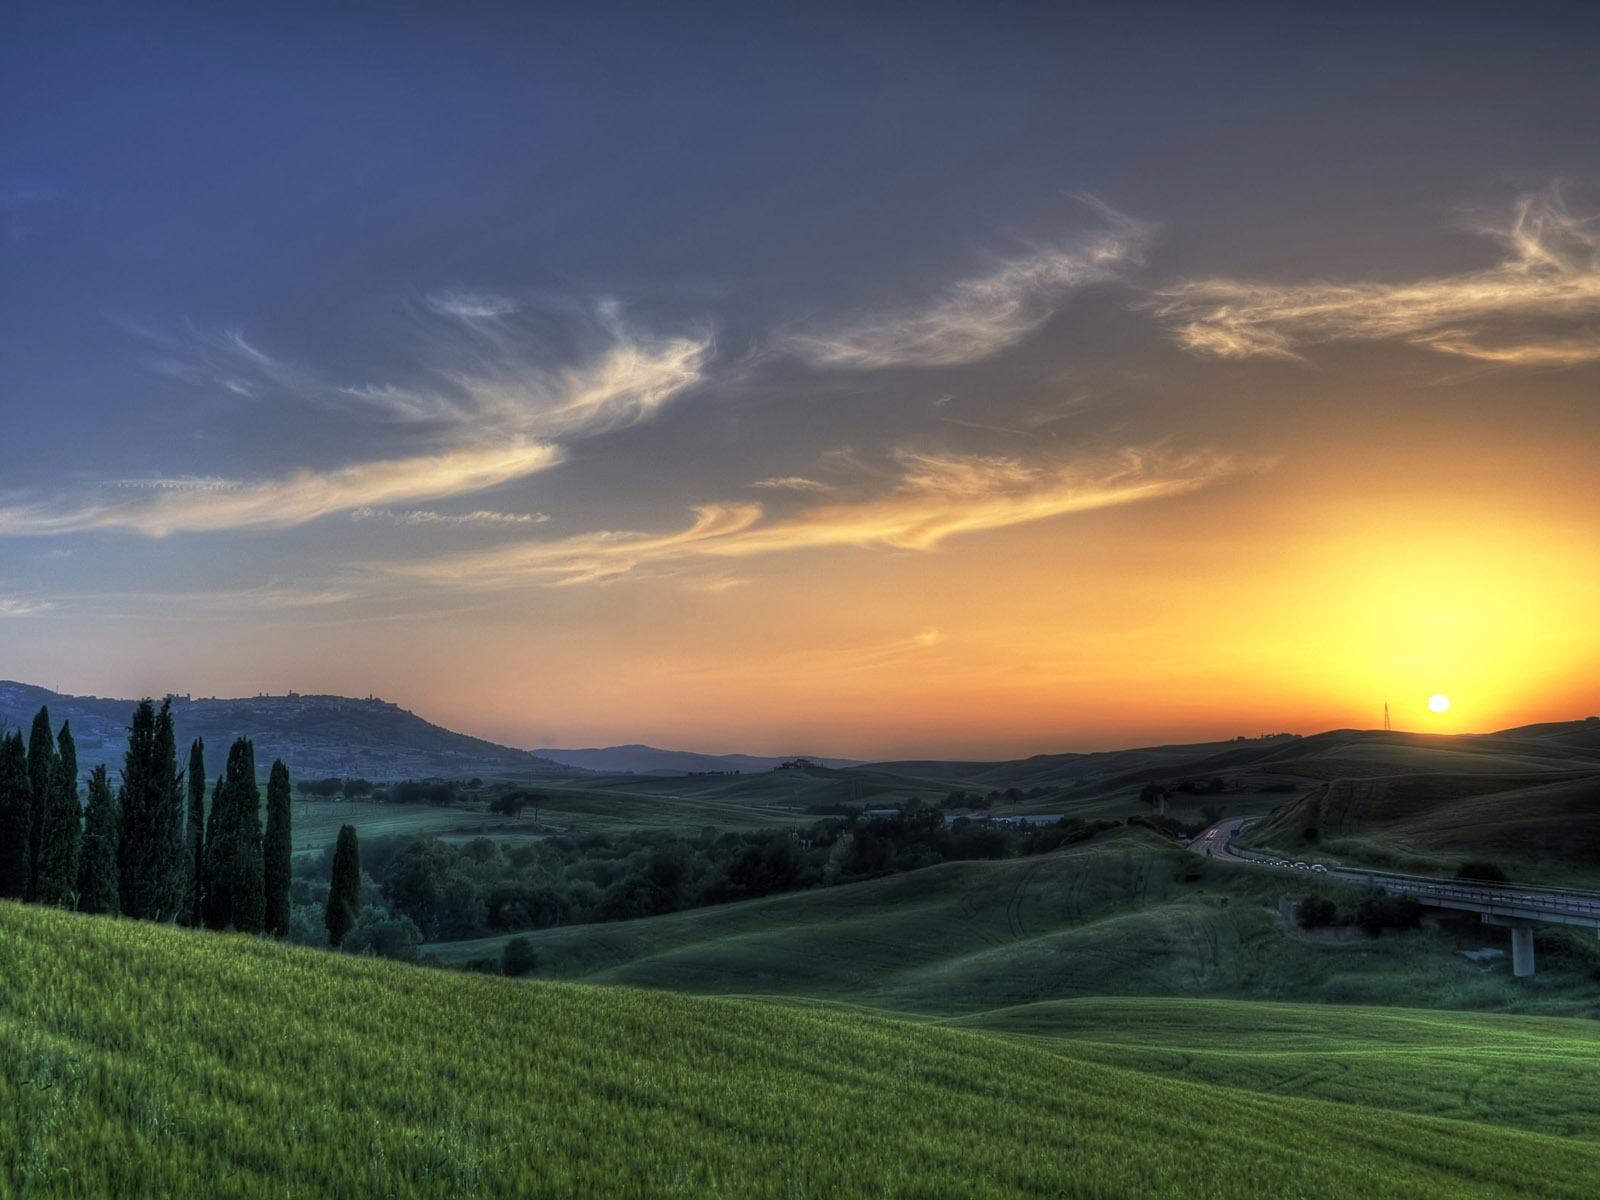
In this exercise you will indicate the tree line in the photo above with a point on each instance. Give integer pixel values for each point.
(429, 890)
(153, 849)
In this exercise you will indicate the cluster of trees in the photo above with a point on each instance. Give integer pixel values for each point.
(1372, 914)
(40, 828)
(326, 789)
(444, 891)
(150, 850)
(405, 791)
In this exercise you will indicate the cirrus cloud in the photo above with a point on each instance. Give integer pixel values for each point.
(935, 498)
(977, 318)
(493, 423)
(1539, 306)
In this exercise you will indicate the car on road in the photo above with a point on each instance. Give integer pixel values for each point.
(1319, 867)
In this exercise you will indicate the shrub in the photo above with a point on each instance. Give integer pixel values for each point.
(519, 958)
(384, 936)
(1379, 911)
(1315, 912)
(1482, 869)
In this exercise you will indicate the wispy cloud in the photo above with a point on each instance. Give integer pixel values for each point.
(12, 607)
(428, 517)
(795, 483)
(628, 384)
(716, 583)
(471, 306)
(494, 420)
(936, 497)
(976, 318)
(1539, 306)
(288, 501)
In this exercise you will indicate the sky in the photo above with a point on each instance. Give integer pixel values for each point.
(876, 380)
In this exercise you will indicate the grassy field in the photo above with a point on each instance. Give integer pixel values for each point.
(1528, 1073)
(138, 1061)
(1541, 828)
(316, 822)
(1125, 914)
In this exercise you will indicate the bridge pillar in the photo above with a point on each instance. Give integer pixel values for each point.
(1522, 949)
(1521, 942)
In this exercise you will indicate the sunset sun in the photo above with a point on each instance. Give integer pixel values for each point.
(1439, 702)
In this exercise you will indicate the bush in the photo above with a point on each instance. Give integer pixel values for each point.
(1314, 912)
(1482, 869)
(1379, 911)
(385, 936)
(519, 958)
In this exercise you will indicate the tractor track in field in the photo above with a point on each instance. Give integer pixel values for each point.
(1014, 925)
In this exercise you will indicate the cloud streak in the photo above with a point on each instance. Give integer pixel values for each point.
(976, 318)
(292, 500)
(14, 608)
(428, 517)
(1539, 306)
(936, 497)
(489, 426)
(793, 483)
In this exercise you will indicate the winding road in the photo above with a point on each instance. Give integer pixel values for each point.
(1517, 906)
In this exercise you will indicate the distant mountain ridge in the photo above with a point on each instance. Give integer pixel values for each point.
(641, 760)
(316, 736)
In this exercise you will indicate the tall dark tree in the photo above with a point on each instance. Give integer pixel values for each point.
(97, 861)
(194, 857)
(217, 904)
(344, 893)
(277, 851)
(235, 871)
(41, 769)
(16, 815)
(57, 882)
(150, 873)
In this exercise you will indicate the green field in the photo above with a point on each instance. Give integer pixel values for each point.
(1540, 828)
(141, 1061)
(1527, 1073)
(316, 822)
(1125, 914)
(1118, 1017)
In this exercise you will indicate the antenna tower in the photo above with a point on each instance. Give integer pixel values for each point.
(1386, 714)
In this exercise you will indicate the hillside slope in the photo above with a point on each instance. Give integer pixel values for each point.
(314, 735)
(1541, 828)
(139, 1062)
(1126, 914)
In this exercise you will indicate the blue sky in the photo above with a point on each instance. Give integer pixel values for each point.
(738, 375)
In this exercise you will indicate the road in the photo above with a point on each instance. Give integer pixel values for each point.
(1509, 901)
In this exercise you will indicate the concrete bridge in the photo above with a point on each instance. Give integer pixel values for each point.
(1515, 906)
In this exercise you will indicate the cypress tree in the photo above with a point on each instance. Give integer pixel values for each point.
(41, 770)
(97, 862)
(249, 872)
(220, 827)
(16, 815)
(150, 838)
(194, 860)
(235, 872)
(57, 883)
(278, 851)
(344, 893)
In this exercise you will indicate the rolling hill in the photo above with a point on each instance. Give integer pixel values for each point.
(1124, 914)
(645, 759)
(314, 735)
(142, 1061)
(1540, 828)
